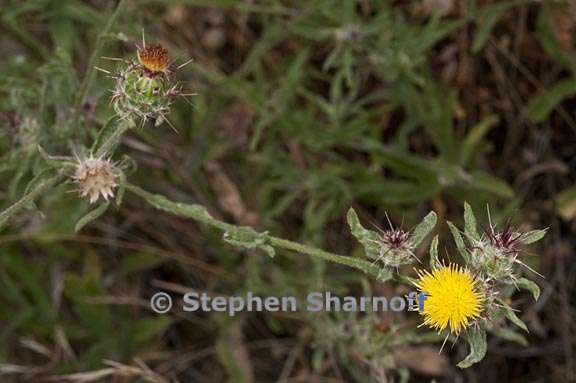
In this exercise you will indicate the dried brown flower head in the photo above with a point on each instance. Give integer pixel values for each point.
(153, 57)
(96, 177)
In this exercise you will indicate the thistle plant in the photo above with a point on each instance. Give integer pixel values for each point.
(462, 300)
(466, 300)
(145, 89)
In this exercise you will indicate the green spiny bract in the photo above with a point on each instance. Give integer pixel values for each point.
(496, 253)
(395, 248)
(143, 94)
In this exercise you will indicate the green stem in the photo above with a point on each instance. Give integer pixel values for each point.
(105, 149)
(199, 213)
(113, 139)
(91, 68)
(40, 189)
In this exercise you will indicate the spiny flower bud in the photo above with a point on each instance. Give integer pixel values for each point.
(145, 89)
(96, 177)
(395, 248)
(496, 252)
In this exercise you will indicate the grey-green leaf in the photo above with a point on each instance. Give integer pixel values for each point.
(384, 274)
(533, 236)
(470, 226)
(250, 239)
(434, 261)
(478, 347)
(511, 315)
(162, 203)
(459, 241)
(368, 238)
(527, 284)
(423, 229)
(91, 216)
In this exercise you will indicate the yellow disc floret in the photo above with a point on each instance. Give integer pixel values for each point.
(452, 299)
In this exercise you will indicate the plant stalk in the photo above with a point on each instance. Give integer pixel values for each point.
(198, 213)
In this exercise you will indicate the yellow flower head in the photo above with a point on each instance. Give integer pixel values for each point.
(452, 298)
(153, 57)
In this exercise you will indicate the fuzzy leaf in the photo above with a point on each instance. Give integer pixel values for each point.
(162, 203)
(423, 229)
(384, 274)
(527, 284)
(103, 134)
(533, 236)
(121, 188)
(459, 241)
(368, 238)
(470, 226)
(91, 216)
(434, 261)
(250, 239)
(478, 347)
(511, 315)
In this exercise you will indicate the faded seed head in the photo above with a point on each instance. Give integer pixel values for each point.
(153, 57)
(96, 178)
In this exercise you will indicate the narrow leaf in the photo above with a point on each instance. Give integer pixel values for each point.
(434, 261)
(489, 16)
(533, 236)
(423, 229)
(459, 241)
(511, 315)
(470, 226)
(368, 238)
(249, 238)
(474, 137)
(478, 346)
(527, 284)
(162, 203)
(540, 107)
(91, 216)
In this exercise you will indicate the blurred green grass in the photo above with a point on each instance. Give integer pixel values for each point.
(303, 109)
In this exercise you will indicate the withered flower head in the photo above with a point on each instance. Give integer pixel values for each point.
(96, 177)
(153, 57)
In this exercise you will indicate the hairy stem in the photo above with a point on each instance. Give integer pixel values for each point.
(199, 213)
(113, 139)
(106, 148)
(40, 189)
(91, 70)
